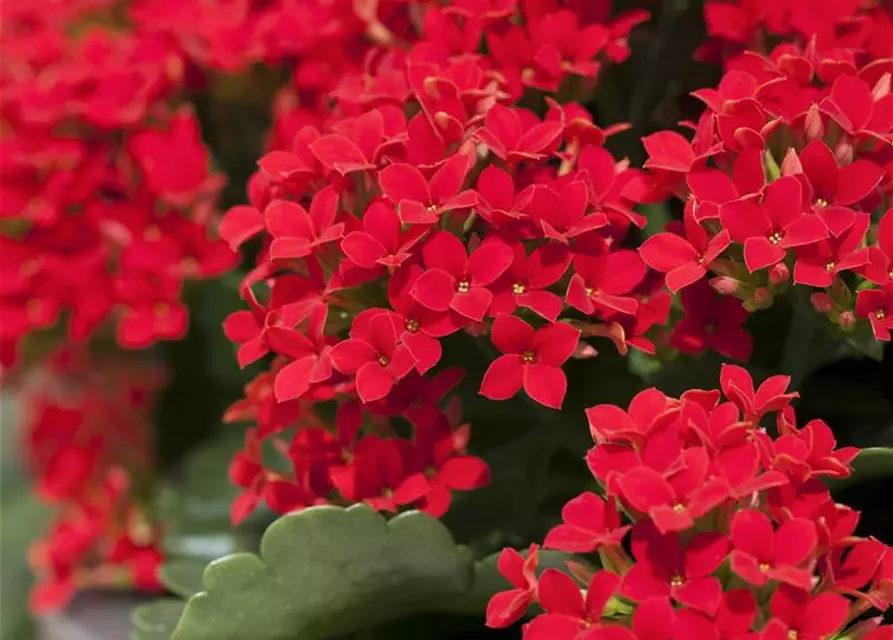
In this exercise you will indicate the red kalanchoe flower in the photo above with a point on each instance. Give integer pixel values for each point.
(762, 553)
(532, 359)
(421, 201)
(562, 215)
(590, 522)
(454, 280)
(818, 264)
(506, 607)
(567, 611)
(832, 185)
(602, 278)
(877, 306)
(515, 135)
(373, 354)
(768, 229)
(712, 322)
(381, 242)
(297, 233)
(667, 567)
(738, 387)
(684, 260)
(524, 283)
(796, 614)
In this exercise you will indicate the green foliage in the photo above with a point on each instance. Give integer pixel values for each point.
(156, 620)
(20, 517)
(325, 572)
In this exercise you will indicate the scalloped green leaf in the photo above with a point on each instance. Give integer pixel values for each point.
(182, 576)
(156, 620)
(872, 463)
(328, 571)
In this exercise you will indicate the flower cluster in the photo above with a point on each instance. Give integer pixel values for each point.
(787, 166)
(732, 533)
(107, 191)
(417, 202)
(737, 26)
(87, 441)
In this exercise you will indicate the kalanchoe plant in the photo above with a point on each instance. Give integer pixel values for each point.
(731, 531)
(408, 216)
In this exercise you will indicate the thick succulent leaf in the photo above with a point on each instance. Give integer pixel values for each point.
(156, 620)
(328, 571)
(182, 576)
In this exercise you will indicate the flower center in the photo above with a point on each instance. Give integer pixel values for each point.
(33, 307)
(518, 288)
(829, 266)
(880, 314)
(775, 238)
(529, 357)
(764, 567)
(677, 581)
(383, 361)
(161, 309)
(821, 202)
(152, 234)
(678, 507)
(463, 286)
(589, 291)
(411, 325)
(432, 208)
(793, 635)
(28, 267)
(528, 74)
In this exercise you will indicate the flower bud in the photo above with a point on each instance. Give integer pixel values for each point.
(821, 302)
(812, 125)
(790, 165)
(779, 273)
(762, 298)
(725, 285)
(844, 151)
(847, 321)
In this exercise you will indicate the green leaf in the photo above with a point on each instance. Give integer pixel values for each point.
(182, 576)
(21, 518)
(328, 571)
(872, 463)
(156, 620)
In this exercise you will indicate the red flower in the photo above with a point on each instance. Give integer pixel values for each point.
(684, 260)
(649, 411)
(669, 151)
(532, 360)
(819, 263)
(239, 224)
(175, 162)
(373, 355)
(602, 278)
(438, 453)
(377, 475)
(589, 523)
(524, 283)
(498, 203)
(712, 322)
(381, 242)
(421, 326)
(676, 498)
(666, 567)
(307, 350)
(835, 186)
(852, 105)
(877, 306)
(762, 553)
(567, 612)
(880, 261)
(768, 229)
(562, 216)
(457, 281)
(733, 620)
(796, 614)
(359, 143)
(295, 232)
(421, 201)
(737, 386)
(506, 607)
(810, 452)
(515, 135)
